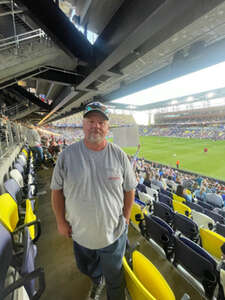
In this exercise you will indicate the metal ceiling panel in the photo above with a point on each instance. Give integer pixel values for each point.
(57, 25)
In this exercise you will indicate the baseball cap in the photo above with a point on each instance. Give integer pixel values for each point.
(96, 106)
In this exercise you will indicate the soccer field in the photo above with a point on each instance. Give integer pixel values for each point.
(190, 153)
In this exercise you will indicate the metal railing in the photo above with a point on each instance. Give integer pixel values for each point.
(15, 41)
(11, 134)
(13, 110)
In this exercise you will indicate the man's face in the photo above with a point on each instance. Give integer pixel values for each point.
(95, 127)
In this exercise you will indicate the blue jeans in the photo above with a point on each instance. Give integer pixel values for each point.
(107, 262)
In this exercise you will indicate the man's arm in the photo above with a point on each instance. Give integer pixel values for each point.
(58, 206)
(128, 203)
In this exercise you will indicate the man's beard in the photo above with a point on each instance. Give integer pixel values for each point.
(95, 137)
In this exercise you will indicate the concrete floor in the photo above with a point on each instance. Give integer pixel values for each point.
(63, 279)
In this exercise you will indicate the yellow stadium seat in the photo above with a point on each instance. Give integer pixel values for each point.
(8, 212)
(136, 209)
(178, 198)
(151, 278)
(212, 242)
(145, 281)
(136, 290)
(9, 216)
(181, 208)
(25, 152)
(30, 217)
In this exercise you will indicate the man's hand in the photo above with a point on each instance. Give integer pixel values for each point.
(64, 229)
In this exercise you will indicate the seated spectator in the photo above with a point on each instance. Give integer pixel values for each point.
(140, 187)
(188, 182)
(200, 194)
(163, 179)
(171, 184)
(157, 181)
(147, 180)
(199, 180)
(215, 199)
(182, 193)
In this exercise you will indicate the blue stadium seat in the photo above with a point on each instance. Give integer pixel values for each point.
(167, 193)
(5, 254)
(160, 232)
(165, 199)
(198, 262)
(186, 226)
(23, 262)
(195, 206)
(13, 188)
(216, 217)
(163, 211)
(205, 205)
(220, 229)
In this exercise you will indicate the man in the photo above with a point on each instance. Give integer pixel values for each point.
(156, 181)
(215, 199)
(92, 195)
(34, 140)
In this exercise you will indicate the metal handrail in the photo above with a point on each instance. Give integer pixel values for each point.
(22, 37)
(15, 107)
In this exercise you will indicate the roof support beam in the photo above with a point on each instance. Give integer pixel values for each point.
(31, 97)
(60, 77)
(13, 81)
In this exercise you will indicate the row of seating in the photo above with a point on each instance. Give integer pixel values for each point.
(191, 223)
(20, 230)
(199, 260)
(197, 211)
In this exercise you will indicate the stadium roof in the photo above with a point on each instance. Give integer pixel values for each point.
(187, 88)
(140, 44)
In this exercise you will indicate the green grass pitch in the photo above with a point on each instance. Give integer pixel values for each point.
(190, 153)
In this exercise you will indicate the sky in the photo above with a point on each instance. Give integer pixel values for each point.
(197, 82)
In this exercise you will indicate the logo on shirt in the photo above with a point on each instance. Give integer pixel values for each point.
(114, 178)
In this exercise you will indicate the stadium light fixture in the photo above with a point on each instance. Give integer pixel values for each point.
(131, 106)
(210, 95)
(205, 80)
(190, 98)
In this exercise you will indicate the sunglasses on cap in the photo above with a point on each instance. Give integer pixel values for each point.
(97, 106)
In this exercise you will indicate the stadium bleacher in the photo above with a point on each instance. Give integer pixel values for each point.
(175, 225)
(20, 230)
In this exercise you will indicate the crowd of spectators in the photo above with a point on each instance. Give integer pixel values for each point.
(188, 186)
(203, 132)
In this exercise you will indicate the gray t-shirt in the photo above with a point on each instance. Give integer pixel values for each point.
(34, 138)
(93, 184)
